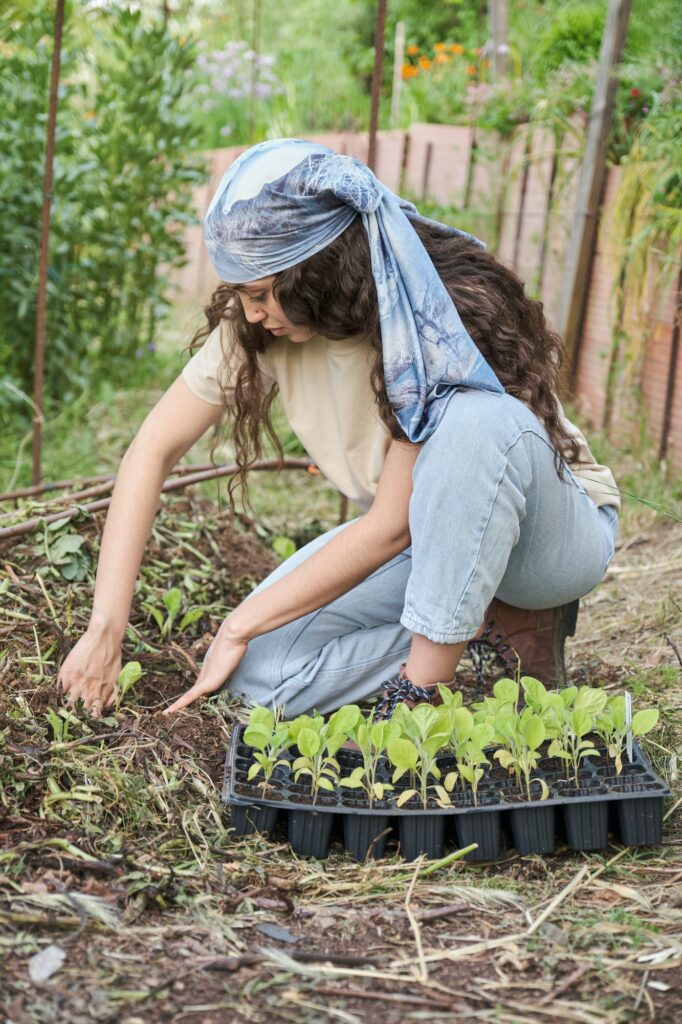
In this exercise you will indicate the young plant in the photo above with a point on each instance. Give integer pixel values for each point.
(472, 740)
(522, 736)
(268, 737)
(318, 742)
(611, 726)
(506, 696)
(130, 674)
(172, 601)
(424, 731)
(372, 738)
(572, 745)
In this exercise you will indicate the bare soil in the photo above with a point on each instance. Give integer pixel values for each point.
(117, 850)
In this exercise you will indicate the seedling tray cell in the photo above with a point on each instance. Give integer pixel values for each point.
(578, 813)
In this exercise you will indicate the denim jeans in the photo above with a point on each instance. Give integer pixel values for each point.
(489, 516)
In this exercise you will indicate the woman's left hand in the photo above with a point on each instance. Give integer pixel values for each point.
(221, 660)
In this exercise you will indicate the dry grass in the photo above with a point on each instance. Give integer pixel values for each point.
(117, 849)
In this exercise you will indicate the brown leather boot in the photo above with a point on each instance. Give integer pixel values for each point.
(534, 638)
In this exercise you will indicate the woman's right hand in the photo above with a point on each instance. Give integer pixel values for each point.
(91, 670)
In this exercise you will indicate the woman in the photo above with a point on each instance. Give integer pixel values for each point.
(479, 493)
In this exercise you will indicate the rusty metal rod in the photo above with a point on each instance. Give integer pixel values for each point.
(86, 481)
(41, 301)
(376, 84)
(170, 485)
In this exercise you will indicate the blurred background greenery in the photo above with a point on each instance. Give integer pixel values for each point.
(145, 88)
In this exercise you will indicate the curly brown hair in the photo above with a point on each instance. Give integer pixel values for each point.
(333, 294)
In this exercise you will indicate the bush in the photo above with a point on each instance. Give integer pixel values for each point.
(123, 190)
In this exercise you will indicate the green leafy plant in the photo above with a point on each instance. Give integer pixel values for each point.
(130, 674)
(573, 744)
(67, 552)
(268, 737)
(424, 731)
(318, 742)
(372, 738)
(522, 736)
(172, 601)
(469, 739)
(612, 727)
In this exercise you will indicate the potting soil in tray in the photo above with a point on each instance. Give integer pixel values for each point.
(630, 804)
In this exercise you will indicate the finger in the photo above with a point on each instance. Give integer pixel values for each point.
(194, 693)
(95, 709)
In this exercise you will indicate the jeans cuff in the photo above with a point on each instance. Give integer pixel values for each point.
(438, 637)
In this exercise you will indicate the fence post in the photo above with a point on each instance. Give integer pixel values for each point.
(376, 84)
(672, 372)
(585, 219)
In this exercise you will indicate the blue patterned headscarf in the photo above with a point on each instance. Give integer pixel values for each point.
(283, 201)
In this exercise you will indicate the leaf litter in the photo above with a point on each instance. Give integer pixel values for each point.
(117, 851)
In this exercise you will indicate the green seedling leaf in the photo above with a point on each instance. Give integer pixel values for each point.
(344, 720)
(172, 599)
(190, 617)
(506, 691)
(644, 721)
(257, 736)
(130, 674)
(406, 795)
(533, 730)
(309, 742)
(403, 754)
(284, 547)
(535, 692)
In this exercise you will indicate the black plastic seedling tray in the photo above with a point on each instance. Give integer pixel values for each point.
(635, 799)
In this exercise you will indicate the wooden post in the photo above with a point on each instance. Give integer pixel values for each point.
(43, 261)
(404, 161)
(427, 170)
(499, 31)
(527, 154)
(672, 373)
(586, 216)
(398, 61)
(376, 83)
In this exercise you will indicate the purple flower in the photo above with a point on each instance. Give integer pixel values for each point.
(226, 130)
(139, 352)
(151, 346)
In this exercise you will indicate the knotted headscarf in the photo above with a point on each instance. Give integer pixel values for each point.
(283, 201)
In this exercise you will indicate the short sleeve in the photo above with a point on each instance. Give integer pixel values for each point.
(211, 372)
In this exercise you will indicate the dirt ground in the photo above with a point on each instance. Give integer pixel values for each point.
(117, 852)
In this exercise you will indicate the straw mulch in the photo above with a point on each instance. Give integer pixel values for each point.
(116, 849)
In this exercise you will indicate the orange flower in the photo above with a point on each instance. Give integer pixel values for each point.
(485, 63)
(471, 70)
(412, 50)
(439, 47)
(456, 48)
(442, 58)
(424, 63)
(409, 71)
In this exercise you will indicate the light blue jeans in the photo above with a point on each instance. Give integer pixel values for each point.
(489, 517)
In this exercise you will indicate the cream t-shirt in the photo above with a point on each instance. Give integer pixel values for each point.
(326, 394)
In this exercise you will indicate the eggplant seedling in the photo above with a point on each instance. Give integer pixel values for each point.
(611, 726)
(424, 731)
(372, 738)
(522, 736)
(318, 742)
(268, 737)
(572, 745)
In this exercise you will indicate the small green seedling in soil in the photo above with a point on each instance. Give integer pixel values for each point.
(613, 729)
(318, 742)
(130, 674)
(548, 704)
(424, 731)
(573, 744)
(522, 736)
(468, 739)
(268, 737)
(372, 738)
(172, 601)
